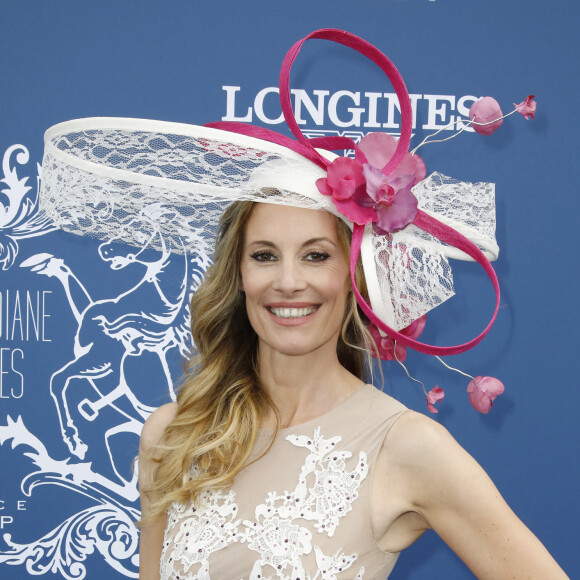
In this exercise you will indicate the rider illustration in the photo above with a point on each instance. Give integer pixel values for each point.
(151, 316)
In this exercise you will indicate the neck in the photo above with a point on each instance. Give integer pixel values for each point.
(304, 387)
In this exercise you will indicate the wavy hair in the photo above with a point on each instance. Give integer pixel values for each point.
(221, 402)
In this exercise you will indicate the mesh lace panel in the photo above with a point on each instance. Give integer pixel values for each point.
(415, 279)
(467, 207)
(472, 204)
(113, 183)
(159, 154)
(167, 185)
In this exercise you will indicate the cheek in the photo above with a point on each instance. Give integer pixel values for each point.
(346, 294)
(245, 278)
(338, 287)
(344, 286)
(252, 282)
(347, 284)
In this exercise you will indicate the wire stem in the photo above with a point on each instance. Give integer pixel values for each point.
(405, 368)
(454, 369)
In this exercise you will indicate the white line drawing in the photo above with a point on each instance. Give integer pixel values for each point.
(19, 216)
(150, 317)
(106, 527)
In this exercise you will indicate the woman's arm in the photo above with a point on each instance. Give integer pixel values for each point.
(434, 483)
(151, 540)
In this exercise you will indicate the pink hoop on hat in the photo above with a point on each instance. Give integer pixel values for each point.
(306, 147)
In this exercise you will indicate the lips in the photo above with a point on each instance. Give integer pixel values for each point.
(284, 312)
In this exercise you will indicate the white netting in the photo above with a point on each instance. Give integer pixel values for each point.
(467, 207)
(106, 182)
(127, 179)
(413, 279)
(86, 203)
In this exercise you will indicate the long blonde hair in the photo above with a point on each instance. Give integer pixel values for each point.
(221, 402)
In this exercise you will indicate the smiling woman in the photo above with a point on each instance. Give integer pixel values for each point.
(295, 278)
(277, 460)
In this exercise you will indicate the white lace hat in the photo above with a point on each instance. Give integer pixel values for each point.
(107, 176)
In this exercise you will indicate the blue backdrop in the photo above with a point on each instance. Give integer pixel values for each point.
(68, 510)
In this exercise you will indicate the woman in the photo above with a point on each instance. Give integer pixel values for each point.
(277, 459)
(290, 277)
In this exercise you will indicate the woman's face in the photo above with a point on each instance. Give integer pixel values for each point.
(296, 278)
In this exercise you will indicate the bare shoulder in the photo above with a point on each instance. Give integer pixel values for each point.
(152, 529)
(428, 474)
(427, 480)
(407, 466)
(428, 466)
(417, 439)
(155, 426)
(418, 458)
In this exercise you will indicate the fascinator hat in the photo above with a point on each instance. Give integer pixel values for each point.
(105, 176)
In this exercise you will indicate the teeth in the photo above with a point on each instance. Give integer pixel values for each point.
(292, 312)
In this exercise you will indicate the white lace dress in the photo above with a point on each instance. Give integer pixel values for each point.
(301, 512)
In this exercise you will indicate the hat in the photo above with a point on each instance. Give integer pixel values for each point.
(115, 177)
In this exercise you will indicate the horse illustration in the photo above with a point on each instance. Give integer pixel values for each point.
(152, 316)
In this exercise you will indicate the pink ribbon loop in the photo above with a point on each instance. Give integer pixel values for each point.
(306, 147)
(373, 54)
(449, 236)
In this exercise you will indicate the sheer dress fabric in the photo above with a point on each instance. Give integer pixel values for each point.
(301, 512)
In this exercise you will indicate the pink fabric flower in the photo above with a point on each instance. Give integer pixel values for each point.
(378, 148)
(345, 183)
(395, 204)
(527, 108)
(364, 194)
(482, 392)
(386, 344)
(486, 110)
(434, 396)
(344, 177)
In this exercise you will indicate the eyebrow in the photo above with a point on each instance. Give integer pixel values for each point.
(309, 242)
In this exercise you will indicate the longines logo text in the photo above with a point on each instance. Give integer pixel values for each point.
(348, 109)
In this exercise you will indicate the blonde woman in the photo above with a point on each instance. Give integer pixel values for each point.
(277, 460)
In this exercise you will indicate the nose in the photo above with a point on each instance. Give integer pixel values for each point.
(289, 278)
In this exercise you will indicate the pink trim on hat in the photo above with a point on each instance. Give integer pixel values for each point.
(449, 236)
(306, 147)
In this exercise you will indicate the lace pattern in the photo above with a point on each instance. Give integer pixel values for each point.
(128, 178)
(324, 494)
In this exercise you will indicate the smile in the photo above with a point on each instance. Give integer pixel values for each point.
(293, 312)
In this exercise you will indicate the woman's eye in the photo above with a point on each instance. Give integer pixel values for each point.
(317, 256)
(263, 256)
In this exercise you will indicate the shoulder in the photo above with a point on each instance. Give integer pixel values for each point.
(155, 426)
(422, 445)
(421, 470)
(374, 403)
(428, 474)
(405, 477)
(423, 460)
(417, 434)
(431, 469)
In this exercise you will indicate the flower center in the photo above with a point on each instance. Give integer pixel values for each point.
(386, 193)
